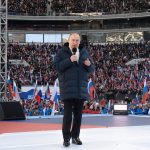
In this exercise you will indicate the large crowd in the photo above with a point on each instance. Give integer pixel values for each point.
(34, 7)
(102, 6)
(104, 106)
(61, 7)
(39, 57)
(110, 60)
(112, 73)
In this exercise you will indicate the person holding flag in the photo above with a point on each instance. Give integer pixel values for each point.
(91, 89)
(55, 96)
(73, 65)
(47, 92)
(145, 92)
(16, 96)
(10, 87)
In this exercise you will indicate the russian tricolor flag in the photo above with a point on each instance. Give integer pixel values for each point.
(15, 92)
(8, 80)
(55, 93)
(55, 96)
(91, 89)
(38, 95)
(47, 92)
(10, 88)
(145, 92)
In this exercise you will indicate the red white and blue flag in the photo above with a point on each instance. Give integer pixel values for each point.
(38, 95)
(10, 87)
(15, 92)
(47, 92)
(145, 92)
(55, 96)
(91, 89)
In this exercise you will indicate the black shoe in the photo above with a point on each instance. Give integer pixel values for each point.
(76, 141)
(66, 142)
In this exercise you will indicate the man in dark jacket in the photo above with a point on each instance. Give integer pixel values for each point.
(73, 65)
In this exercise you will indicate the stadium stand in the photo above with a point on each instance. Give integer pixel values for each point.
(113, 78)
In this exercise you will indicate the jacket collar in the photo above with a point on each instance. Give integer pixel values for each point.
(66, 49)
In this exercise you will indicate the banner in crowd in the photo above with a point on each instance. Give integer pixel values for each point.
(28, 91)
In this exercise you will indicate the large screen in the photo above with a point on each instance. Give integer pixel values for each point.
(120, 107)
(34, 38)
(52, 38)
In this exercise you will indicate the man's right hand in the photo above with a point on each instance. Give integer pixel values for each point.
(73, 58)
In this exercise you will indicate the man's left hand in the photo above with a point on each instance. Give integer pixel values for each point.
(87, 62)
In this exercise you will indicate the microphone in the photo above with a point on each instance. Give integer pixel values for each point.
(74, 50)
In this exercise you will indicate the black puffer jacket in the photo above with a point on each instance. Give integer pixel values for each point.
(73, 76)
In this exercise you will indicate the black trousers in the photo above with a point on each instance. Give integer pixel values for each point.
(71, 127)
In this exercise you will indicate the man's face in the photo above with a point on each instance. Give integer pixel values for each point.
(74, 41)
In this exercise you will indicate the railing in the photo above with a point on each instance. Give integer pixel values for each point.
(79, 14)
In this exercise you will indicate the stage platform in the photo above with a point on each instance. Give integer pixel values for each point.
(99, 132)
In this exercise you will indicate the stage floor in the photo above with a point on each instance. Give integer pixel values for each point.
(99, 132)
